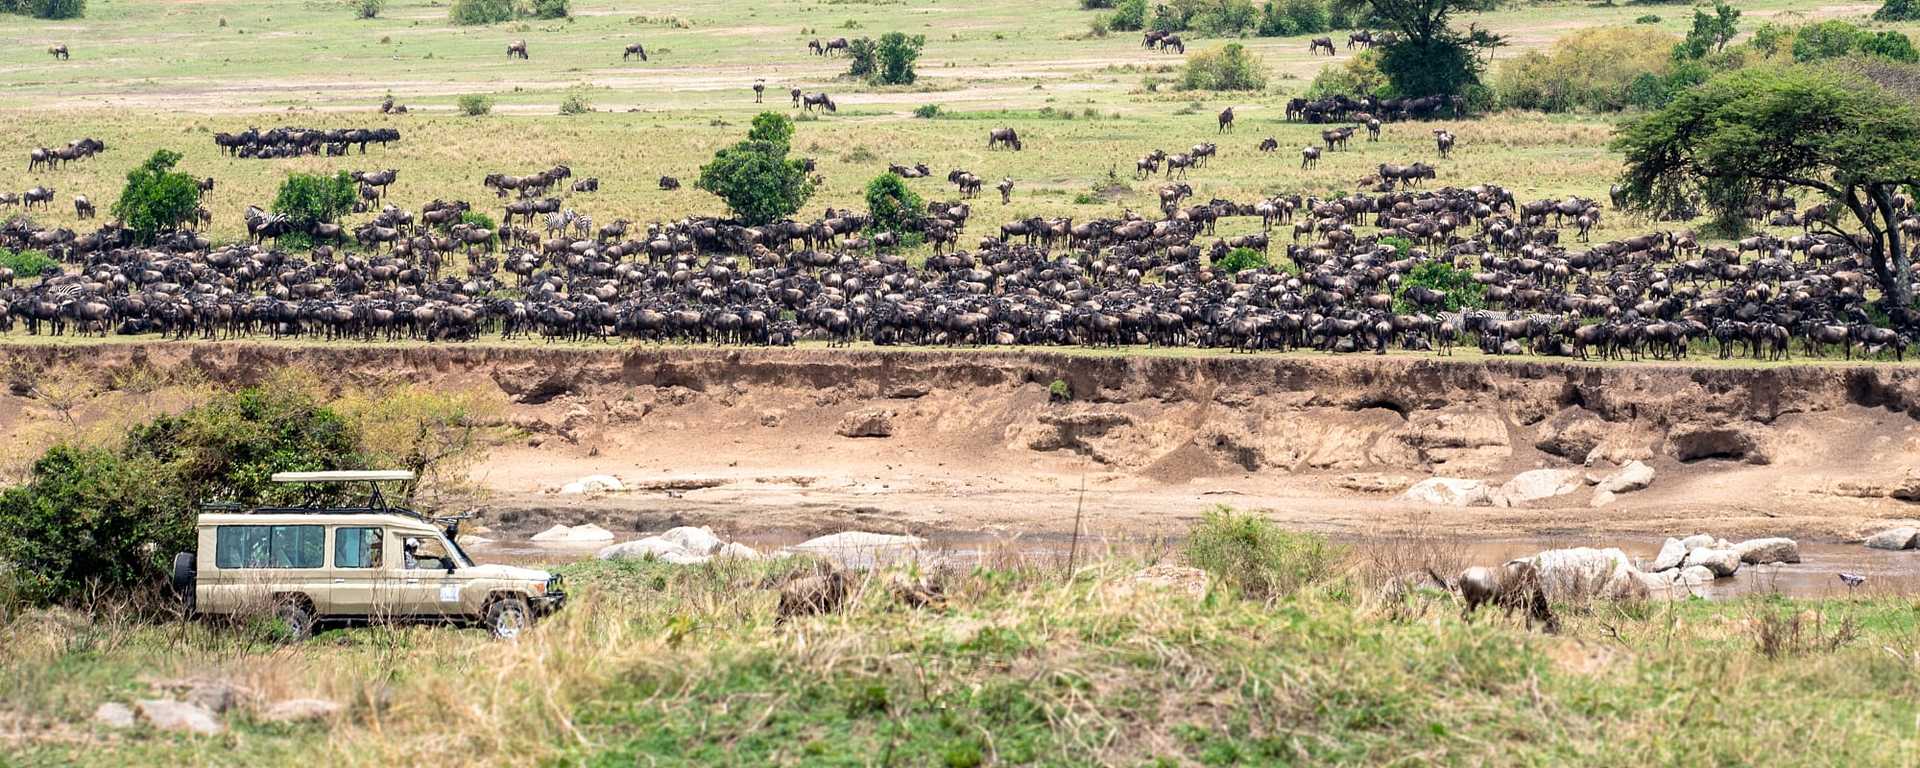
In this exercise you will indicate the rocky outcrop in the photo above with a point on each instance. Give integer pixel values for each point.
(1768, 551)
(868, 423)
(1449, 492)
(1903, 537)
(1694, 442)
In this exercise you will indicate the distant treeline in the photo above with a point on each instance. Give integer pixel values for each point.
(1224, 18)
(45, 9)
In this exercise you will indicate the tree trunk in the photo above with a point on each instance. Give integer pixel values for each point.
(1896, 274)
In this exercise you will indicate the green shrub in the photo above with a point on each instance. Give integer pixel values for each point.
(368, 9)
(576, 102)
(475, 104)
(1650, 18)
(1255, 557)
(45, 9)
(893, 206)
(479, 220)
(927, 111)
(755, 178)
(895, 56)
(469, 12)
(1825, 40)
(549, 9)
(1242, 259)
(307, 199)
(26, 264)
(1129, 15)
(862, 58)
(157, 198)
(1094, 5)
(1100, 26)
(1889, 44)
(112, 518)
(1358, 76)
(1226, 18)
(1591, 69)
(1458, 285)
(1059, 391)
(1898, 10)
(1231, 68)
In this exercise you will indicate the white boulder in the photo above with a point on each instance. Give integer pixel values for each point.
(1897, 538)
(1723, 562)
(860, 549)
(737, 551)
(113, 714)
(1539, 484)
(1697, 541)
(1672, 554)
(1632, 477)
(1582, 571)
(699, 541)
(594, 484)
(1449, 492)
(1767, 551)
(579, 534)
(1695, 575)
(179, 717)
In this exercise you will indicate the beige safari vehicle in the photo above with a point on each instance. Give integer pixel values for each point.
(312, 565)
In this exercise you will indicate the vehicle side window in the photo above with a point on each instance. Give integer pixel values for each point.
(357, 547)
(270, 546)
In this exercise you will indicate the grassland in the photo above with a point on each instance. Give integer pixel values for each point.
(1024, 665)
(147, 75)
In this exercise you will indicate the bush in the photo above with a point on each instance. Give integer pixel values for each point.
(1825, 40)
(1282, 18)
(45, 9)
(927, 111)
(576, 102)
(1458, 285)
(26, 264)
(862, 59)
(368, 9)
(893, 205)
(1231, 68)
(1129, 15)
(469, 12)
(1648, 19)
(1099, 27)
(1358, 76)
(475, 105)
(549, 9)
(1226, 18)
(895, 57)
(1094, 5)
(1593, 69)
(1254, 557)
(1891, 45)
(755, 178)
(112, 518)
(307, 199)
(1242, 259)
(157, 198)
(1898, 10)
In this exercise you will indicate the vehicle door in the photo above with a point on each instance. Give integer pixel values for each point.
(427, 589)
(362, 571)
(253, 563)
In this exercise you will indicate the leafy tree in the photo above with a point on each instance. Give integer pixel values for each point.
(1898, 10)
(1710, 33)
(1818, 129)
(1129, 15)
(1240, 259)
(157, 198)
(469, 12)
(26, 264)
(549, 9)
(46, 9)
(773, 128)
(755, 178)
(307, 199)
(1889, 44)
(1458, 285)
(862, 58)
(896, 53)
(893, 205)
(1589, 69)
(113, 517)
(475, 104)
(1825, 40)
(1231, 68)
(1428, 56)
(1358, 76)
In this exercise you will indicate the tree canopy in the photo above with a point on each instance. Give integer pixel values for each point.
(1428, 56)
(756, 179)
(1819, 129)
(308, 198)
(893, 205)
(157, 198)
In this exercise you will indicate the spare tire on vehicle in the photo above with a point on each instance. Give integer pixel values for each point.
(185, 573)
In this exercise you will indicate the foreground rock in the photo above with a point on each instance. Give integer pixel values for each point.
(179, 717)
(1897, 538)
(1449, 492)
(1538, 485)
(860, 549)
(300, 711)
(1768, 551)
(114, 715)
(1585, 572)
(579, 534)
(1672, 554)
(874, 423)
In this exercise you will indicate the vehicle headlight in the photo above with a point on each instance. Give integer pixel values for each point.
(540, 588)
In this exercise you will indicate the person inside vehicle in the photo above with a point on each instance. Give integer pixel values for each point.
(411, 555)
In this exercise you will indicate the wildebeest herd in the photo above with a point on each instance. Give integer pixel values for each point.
(550, 271)
(295, 142)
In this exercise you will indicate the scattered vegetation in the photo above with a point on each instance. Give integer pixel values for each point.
(887, 62)
(1256, 558)
(472, 12)
(576, 102)
(927, 111)
(1229, 68)
(157, 198)
(1458, 285)
(475, 104)
(1357, 76)
(26, 264)
(756, 179)
(45, 9)
(307, 199)
(1240, 259)
(368, 9)
(1592, 69)
(893, 205)
(1898, 10)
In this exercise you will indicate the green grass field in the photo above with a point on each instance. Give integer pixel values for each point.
(147, 75)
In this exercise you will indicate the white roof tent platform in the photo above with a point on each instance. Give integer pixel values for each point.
(344, 476)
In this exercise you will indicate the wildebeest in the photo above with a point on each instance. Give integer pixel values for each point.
(822, 100)
(1173, 43)
(588, 184)
(1006, 189)
(1309, 157)
(827, 48)
(669, 183)
(634, 49)
(1513, 586)
(1003, 137)
(82, 207)
(759, 91)
(1269, 144)
(517, 49)
(1321, 43)
(1361, 38)
(38, 195)
(1226, 120)
(59, 51)
(1443, 141)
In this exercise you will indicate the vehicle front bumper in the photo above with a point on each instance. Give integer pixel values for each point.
(549, 603)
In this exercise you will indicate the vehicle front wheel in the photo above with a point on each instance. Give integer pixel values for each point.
(509, 617)
(296, 620)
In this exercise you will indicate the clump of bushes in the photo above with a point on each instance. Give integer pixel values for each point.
(26, 264)
(927, 111)
(1457, 284)
(469, 12)
(1593, 69)
(307, 199)
(1240, 259)
(888, 61)
(45, 9)
(157, 198)
(1230, 68)
(1358, 76)
(893, 206)
(1255, 557)
(576, 102)
(475, 104)
(1651, 18)
(1898, 10)
(1230, 18)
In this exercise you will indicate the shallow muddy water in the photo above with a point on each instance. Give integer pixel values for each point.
(1816, 576)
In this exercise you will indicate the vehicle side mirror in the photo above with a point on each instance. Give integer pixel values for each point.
(450, 566)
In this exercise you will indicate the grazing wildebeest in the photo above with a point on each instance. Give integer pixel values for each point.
(82, 207)
(669, 183)
(836, 44)
(59, 51)
(1003, 137)
(1173, 43)
(1226, 120)
(759, 91)
(1006, 190)
(815, 48)
(39, 195)
(1269, 144)
(634, 49)
(1320, 43)
(517, 49)
(588, 184)
(1309, 157)
(1361, 38)
(1443, 141)
(811, 100)
(1515, 585)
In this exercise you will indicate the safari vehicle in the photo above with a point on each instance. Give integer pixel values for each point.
(317, 564)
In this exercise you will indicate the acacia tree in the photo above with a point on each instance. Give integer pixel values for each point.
(1428, 56)
(157, 198)
(1749, 130)
(756, 178)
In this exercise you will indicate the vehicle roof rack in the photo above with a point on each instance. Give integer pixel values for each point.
(344, 476)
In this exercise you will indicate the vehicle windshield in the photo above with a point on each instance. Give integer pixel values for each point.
(460, 556)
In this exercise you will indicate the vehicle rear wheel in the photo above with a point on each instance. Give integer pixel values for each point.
(185, 573)
(509, 617)
(295, 618)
